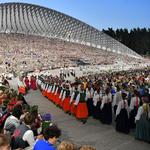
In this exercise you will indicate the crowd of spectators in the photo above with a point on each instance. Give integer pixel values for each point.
(25, 53)
(22, 127)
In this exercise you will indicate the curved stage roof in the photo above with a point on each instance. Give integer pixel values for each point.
(36, 20)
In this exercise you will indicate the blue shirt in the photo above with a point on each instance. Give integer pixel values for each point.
(113, 91)
(141, 90)
(43, 145)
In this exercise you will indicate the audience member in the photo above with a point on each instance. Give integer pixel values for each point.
(23, 136)
(86, 147)
(4, 142)
(66, 146)
(51, 134)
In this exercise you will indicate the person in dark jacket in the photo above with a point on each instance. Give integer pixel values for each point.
(23, 136)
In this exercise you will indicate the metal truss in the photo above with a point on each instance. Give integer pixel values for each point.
(35, 20)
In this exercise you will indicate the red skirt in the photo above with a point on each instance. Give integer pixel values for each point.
(10, 106)
(44, 93)
(22, 90)
(66, 104)
(49, 95)
(54, 98)
(82, 111)
(27, 85)
(57, 99)
(73, 108)
(33, 86)
(61, 103)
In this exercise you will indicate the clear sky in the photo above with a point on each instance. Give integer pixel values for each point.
(101, 13)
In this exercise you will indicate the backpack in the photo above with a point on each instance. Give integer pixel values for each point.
(16, 139)
(3, 119)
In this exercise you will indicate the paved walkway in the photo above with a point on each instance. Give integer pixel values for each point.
(104, 137)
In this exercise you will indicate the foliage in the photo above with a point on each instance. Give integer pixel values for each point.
(137, 39)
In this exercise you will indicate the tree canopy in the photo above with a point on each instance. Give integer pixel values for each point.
(137, 39)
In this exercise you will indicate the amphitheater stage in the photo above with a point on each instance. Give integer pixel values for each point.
(104, 137)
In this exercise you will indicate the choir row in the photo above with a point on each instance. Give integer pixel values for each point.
(82, 101)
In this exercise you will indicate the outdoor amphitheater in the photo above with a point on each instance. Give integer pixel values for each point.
(34, 37)
(53, 59)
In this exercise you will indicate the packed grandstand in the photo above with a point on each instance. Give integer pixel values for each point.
(34, 37)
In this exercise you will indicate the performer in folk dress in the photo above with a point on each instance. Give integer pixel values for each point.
(81, 106)
(106, 108)
(122, 115)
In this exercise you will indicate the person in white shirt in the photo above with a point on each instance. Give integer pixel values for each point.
(122, 117)
(142, 120)
(12, 122)
(97, 103)
(116, 99)
(89, 98)
(134, 105)
(106, 108)
(21, 86)
(73, 98)
(20, 82)
(81, 106)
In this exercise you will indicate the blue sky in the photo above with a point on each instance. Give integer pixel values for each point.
(101, 13)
